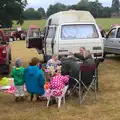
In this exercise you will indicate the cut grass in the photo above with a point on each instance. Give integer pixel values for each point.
(105, 22)
(106, 107)
(27, 23)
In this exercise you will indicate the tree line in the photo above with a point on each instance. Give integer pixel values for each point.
(15, 10)
(95, 7)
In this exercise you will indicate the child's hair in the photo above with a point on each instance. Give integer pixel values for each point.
(54, 55)
(52, 74)
(18, 62)
(34, 61)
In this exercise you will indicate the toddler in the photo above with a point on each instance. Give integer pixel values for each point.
(18, 75)
(58, 82)
(52, 64)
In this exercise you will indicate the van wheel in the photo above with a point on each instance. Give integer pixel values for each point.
(7, 70)
(104, 55)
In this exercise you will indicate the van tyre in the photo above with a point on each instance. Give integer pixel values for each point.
(104, 55)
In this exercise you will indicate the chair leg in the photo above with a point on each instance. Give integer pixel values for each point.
(63, 99)
(48, 102)
(59, 102)
(80, 93)
(95, 88)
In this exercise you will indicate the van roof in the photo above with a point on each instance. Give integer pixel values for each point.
(71, 16)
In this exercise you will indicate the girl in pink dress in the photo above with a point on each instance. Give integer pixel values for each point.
(57, 83)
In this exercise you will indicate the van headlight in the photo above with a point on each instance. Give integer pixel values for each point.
(97, 48)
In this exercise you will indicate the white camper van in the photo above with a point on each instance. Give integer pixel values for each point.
(67, 31)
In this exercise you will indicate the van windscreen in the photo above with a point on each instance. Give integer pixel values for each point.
(79, 31)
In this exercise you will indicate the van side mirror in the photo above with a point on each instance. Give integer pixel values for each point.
(107, 36)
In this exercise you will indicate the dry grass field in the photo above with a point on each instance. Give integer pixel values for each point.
(106, 107)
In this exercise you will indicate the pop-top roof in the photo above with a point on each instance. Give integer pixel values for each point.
(71, 16)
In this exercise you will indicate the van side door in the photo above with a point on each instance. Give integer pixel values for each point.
(111, 41)
(49, 40)
(117, 41)
(34, 39)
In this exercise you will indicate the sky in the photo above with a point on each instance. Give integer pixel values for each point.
(45, 3)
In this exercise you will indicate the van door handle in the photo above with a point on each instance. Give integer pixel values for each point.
(111, 41)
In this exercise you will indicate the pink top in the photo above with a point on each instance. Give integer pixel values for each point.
(58, 83)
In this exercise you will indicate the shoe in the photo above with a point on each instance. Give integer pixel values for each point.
(29, 98)
(52, 102)
(16, 99)
(21, 98)
(34, 98)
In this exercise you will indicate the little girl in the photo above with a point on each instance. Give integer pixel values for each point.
(58, 82)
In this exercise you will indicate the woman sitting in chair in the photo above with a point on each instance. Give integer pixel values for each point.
(85, 56)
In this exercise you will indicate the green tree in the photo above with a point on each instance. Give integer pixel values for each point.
(56, 8)
(11, 10)
(115, 5)
(32, 14)
(95, 8)
(106, 12)
(82, 5)
(42, 11)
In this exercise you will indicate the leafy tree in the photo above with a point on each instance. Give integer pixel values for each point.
(95, 8)
(32, 14)
(56, 8)
(115, 5)
(106, 12)
(42, 11)
(73, 7)
(11, 10)
(82, 5)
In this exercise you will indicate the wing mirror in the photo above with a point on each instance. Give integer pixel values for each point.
(107, 36)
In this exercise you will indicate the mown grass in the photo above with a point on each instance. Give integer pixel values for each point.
(105, 22)
(105, 107)
(27, 23)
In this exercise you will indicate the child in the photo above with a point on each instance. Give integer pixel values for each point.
(18, 75)
(34, 80)
(58, 82)
(52, 64)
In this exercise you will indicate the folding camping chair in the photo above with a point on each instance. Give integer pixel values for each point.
(87, 81)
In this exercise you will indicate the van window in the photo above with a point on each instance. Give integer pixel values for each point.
(118, 33)
(50, 32)
(34, 33)
(112, 33)
(79, 32)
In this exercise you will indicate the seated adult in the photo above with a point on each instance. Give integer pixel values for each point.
(81, 54)
(85, 56)
(34, 79)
